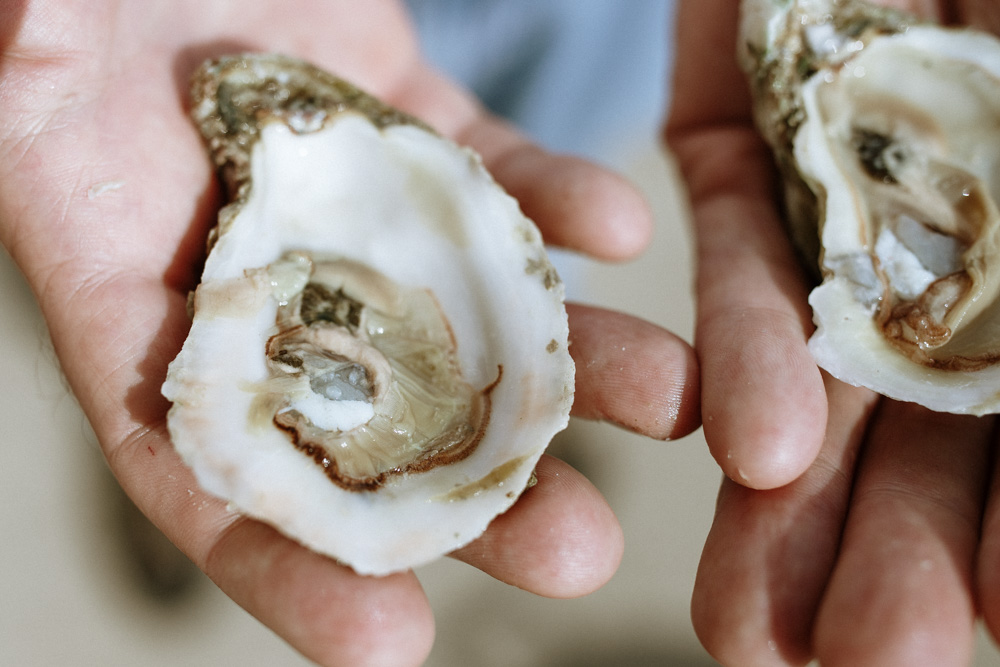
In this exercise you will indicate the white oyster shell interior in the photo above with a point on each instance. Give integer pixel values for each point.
(903, 142)
(431, 232)
(894, 127)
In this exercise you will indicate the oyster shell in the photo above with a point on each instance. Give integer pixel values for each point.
(378, 353)
(887, 133)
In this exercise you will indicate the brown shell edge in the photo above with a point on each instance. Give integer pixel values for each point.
(775, 77)
(233, 97)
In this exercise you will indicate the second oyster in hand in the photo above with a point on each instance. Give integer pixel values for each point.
(887, 134)
(378, 354)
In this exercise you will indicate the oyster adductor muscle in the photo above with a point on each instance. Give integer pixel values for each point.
(378, 353)
(886, 130)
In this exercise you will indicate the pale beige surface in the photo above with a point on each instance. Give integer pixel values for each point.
(69, 596)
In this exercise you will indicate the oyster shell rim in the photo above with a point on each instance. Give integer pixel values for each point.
(233, 151)
(766, 55)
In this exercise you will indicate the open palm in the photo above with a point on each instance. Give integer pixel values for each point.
(106, 196)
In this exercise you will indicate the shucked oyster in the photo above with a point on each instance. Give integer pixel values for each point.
(887, 133)
(378, 354)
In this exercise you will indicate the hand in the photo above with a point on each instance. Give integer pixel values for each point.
(848, 527)
(106, 196)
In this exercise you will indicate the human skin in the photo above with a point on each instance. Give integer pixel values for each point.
(106, 197)
(849, 528)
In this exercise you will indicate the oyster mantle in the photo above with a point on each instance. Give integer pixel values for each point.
(375, 362)
(886, 131)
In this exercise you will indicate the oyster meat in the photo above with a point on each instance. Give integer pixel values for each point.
(378, 353)
(886, 131)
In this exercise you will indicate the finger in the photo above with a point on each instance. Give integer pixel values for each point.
(326, 611)
(901, 593)
(576, 204)
(633, 373)
(769, 553)
(988, 564)
(763, 404)
(560, 539)
(982, 14)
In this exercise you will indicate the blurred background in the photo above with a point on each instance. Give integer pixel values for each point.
(86, 581)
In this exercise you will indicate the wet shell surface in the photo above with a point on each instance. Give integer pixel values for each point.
(887, 133)
(378, 353)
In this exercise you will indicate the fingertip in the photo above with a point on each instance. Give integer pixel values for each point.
(325, 610)
(623, 219)
(560, 540)
(767, 458)
(633, 373)
(589, 542)
(735, 611)
(389, 625)
(577, 204)
(764, 404)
